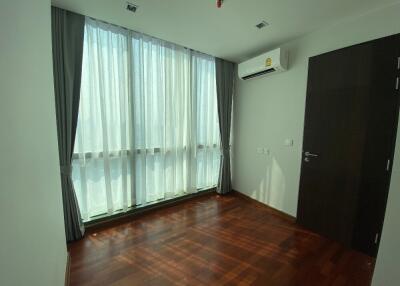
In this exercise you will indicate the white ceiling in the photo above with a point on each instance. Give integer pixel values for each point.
(228, 32)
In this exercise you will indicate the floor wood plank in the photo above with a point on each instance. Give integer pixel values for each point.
(214, 240)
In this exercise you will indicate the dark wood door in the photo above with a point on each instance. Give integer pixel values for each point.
(349, 135)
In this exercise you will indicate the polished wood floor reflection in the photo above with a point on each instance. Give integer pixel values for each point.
(214, 240)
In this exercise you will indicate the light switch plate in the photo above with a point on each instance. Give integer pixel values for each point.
(288, 142)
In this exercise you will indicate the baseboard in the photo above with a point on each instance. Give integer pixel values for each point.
(67, 269)
(273, 210)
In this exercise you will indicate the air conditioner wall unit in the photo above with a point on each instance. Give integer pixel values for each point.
(268, 63)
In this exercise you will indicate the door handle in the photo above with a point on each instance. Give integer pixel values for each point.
(309, 154)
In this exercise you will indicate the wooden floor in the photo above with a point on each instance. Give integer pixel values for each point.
(214, 240)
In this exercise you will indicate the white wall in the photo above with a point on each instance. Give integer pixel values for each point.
(387, 272)
(32, 238)
(268, 110)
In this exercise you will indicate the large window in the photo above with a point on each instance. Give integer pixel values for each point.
(148, 124)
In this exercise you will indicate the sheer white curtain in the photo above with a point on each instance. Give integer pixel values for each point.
(162, 132)
(101, 167)
(206, 116)
(148, 124)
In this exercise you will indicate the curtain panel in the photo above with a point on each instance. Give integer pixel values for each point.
(67, 42)
(225, 88)
(148, 121)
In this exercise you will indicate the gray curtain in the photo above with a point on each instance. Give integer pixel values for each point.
(225, 83)
(67, 40)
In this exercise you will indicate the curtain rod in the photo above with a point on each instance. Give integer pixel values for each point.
(130, 30)
(147, 35)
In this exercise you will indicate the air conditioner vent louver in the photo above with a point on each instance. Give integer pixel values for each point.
(258, 74)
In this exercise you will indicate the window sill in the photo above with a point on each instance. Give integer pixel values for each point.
(105, 219)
